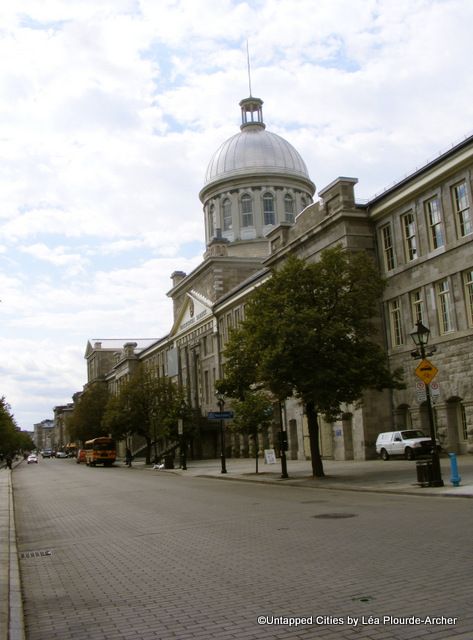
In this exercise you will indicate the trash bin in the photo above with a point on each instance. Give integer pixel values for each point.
(169, 462)
(424, 472)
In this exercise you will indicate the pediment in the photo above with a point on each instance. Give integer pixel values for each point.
(196, 309)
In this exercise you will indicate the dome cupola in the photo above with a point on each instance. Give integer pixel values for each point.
(255, 180)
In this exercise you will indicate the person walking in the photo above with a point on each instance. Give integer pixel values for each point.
(128, 457)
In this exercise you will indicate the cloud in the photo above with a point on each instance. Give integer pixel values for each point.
(110, 112)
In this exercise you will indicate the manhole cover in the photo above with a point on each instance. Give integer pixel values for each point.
(36, 554)
(334, 516)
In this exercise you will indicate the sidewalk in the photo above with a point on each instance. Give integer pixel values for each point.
(392, 476)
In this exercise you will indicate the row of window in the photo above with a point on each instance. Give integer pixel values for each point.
(434, 224)
(246, 211)
(444, 303)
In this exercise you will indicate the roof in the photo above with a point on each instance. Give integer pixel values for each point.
(255, 150)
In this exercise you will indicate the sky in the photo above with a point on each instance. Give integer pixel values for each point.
(110, 111)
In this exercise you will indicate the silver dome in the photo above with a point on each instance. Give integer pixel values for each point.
(255, 150)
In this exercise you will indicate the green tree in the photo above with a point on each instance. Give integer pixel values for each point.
(86, 421)
(309, 331)
(148, 406)
(252, 415)
(9, 433)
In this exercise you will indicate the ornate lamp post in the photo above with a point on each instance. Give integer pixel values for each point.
(420, 336)
(221, 405)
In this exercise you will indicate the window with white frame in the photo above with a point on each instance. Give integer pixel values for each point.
(288, 208)
(409, 236)
(444, 306)
(461, 207)
(417, 307)
(268, 209)
(397, 336)
(388, 247)
(246, 211)
(434, 223)
(468, 284)
(227, 214)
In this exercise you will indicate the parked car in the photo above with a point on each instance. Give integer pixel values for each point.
(32, 458)
(410, 443)
(46, 453)
(80, 456)
(61, 454)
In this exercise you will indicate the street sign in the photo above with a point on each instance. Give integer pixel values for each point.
(434, 389)
(426, 371)
(220, 415)
(421, 394)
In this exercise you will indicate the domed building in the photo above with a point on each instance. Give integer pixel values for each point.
(258, 210)
(254, 181)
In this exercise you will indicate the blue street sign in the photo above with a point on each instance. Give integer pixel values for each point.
(220, 415)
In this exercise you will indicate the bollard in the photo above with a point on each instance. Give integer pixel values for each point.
(455, 478)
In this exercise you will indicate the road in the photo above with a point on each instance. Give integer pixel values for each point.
(109, 554)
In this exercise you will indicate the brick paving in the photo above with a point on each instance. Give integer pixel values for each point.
(142, 556)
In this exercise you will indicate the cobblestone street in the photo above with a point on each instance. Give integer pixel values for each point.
(108, 554)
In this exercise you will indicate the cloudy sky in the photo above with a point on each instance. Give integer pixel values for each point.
(111, 109)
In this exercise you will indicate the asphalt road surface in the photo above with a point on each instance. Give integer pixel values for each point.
(108, 554)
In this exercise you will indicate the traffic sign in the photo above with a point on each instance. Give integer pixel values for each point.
(421, 394)
(435, 389)
(220, 415)
(426, 371)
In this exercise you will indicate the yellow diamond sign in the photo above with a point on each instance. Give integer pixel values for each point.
(426, 371)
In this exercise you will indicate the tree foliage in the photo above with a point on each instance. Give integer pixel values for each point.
(146, 405)
(309, 331)
(11, 438)
(87, 419)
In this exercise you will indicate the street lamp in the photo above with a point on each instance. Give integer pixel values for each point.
(420, 336)
(221, 405)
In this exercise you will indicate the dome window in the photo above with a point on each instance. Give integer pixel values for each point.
(288, 208)
(246, 211)
(268, 209)
(227, 215)
(211, 221)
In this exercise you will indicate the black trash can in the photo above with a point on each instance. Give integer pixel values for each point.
(169, 462)
(424, 472)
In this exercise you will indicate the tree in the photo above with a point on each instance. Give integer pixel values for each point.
(252, 415)
(86, 421)
(148, 406)
(9, 433)
(309, 331)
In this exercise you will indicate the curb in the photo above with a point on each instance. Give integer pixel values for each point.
(422, 491)
(11, 616)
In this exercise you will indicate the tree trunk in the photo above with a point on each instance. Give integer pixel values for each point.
(313, 425)
(148, 449)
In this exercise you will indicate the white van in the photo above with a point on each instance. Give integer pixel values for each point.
(410, 443)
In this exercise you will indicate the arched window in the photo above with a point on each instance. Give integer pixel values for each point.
(268, 209)
(288, 208)
(246, 211)
(227, 214)
(211, 221)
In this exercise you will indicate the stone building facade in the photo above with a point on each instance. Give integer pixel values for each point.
(258, 209)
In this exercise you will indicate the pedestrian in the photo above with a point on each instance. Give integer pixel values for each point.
(9, 461)
(128, 457)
